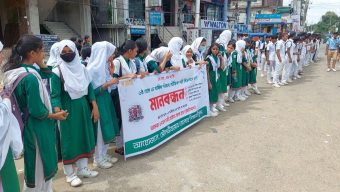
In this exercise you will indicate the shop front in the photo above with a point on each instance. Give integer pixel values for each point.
(269, 23)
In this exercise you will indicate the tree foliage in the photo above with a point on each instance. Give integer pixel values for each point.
(330, 22)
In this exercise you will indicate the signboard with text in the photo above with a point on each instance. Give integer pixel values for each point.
(268, 18)
(214, 25)
(159, 107)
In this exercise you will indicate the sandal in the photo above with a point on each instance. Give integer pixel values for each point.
(120, 151)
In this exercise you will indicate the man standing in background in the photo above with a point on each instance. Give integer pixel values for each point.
(331, 52)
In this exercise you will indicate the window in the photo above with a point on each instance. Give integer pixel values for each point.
(136, 9)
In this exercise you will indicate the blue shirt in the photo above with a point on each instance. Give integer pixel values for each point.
(332, 43)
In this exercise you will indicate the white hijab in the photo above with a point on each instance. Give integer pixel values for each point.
(75, 74)
(184, 52)
(224, 38)
(240, 44)
(175, 45)
(10, 134)
(98, 66)
(157, 55)
(1, 46)
(54, 55)
(196, 44)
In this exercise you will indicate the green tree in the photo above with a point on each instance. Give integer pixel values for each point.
(330, 22)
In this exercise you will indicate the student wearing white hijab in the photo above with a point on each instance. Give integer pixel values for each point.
(158, 60)
(72, 91)
(100, 63)
(187, 57)
(187, 60)
(199, 47)
(39, 135)
(175, 46)
(141, 67)
(223, 41)
(237, 60)
(10, 143)
(54, 58)
(124, 68)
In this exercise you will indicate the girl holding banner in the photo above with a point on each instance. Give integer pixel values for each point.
(199, 47)
(158, 60)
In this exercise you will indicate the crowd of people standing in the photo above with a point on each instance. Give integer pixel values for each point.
(70, 109)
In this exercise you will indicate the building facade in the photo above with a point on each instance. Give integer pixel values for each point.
(62, 18)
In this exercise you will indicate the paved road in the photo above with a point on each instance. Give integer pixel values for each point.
(286, 140)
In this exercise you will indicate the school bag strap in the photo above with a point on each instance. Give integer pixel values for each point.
(62, 80)
(7, 92)
(120, 68)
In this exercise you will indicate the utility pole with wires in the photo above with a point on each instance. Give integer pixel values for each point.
(147, 24)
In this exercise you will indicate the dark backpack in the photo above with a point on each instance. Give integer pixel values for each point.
(21, 117)
(138, 65)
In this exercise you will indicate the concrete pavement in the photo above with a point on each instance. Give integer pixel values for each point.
(285, 140)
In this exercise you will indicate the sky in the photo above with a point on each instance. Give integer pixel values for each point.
(319, 8)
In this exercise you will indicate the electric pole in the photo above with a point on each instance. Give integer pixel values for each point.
(147, 24)
(225, 11)
(248, 10)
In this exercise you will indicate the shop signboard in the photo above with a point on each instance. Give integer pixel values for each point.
(268, 18)
(214, 25)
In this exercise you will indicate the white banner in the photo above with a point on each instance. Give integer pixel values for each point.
(158, 107)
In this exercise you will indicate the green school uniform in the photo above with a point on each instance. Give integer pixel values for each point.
(38, 128)
(253, 72)
(77, 138)
(108, 116)
(236, 68)
(153, 66)
(245, 73)
(8, 174)
(222, 73)
(213, 93)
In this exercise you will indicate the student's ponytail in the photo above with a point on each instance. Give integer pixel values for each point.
(14, 60)
(125, 47)
(20, 51)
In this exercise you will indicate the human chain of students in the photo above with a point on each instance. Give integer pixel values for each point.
(73, 106)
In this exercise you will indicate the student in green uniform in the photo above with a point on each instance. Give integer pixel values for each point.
(141, 67)
(39, 136)
(85, 55)
(159, 60)
(187, 58)
(199, 48)
(107, 128)
(230, 50)
(238, 57)
(214, 63)
(253, 65)
(124, 68)
(72, 91)
(223, 41)
(246, 69)
(175, 45)
(10, 143)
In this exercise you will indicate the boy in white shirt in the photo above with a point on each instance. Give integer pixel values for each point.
(270, 52)
(280, 59)
(290, 46)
